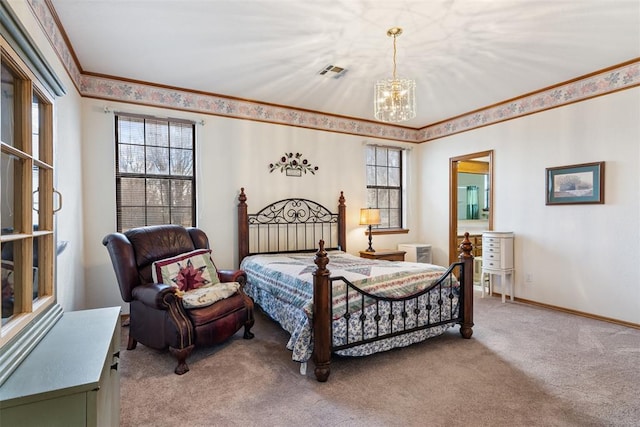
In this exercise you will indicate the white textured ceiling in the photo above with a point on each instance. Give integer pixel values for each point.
(463, 54)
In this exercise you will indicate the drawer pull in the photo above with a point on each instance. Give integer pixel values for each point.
(116, 354)
(114, 366)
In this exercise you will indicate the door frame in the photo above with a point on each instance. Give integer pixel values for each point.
(453, 198)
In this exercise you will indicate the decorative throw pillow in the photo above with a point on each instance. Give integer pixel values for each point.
(208, 294)
(186, 271)
(7, 280)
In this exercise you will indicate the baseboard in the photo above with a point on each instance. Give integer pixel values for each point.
(575, 312)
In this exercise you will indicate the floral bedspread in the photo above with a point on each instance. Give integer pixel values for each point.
(282, 284)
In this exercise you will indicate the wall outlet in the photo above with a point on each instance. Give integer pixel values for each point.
(528, 278)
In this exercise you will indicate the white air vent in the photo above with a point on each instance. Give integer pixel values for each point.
(333, 71)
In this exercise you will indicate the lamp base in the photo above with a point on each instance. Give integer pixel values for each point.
(370, 248)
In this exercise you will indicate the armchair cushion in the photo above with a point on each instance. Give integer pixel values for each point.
(208, 294)
(186, 271)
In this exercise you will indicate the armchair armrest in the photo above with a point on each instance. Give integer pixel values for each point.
(153, 294)
(124, 263)
(233, 276)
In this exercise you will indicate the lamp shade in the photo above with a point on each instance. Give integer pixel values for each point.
(369, 216)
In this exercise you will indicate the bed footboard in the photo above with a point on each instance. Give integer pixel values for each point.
(430, 308)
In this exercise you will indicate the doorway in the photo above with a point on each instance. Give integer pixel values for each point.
(470, 199)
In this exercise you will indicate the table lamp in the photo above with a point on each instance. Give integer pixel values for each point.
(369, 217)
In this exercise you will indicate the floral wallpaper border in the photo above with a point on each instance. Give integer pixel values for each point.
(41, 11)
(613, 80)
(619, 78)
(125, 91)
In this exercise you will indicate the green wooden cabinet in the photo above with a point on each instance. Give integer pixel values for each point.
(71, 378)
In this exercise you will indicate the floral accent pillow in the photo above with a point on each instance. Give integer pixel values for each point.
(7, 281)
(187, 271)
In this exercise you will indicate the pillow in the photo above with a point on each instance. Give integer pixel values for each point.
(208, 294)
(7, 280)
(186, 271)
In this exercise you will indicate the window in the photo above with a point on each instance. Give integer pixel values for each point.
(155, 179)
(384, 184)
(27, 196)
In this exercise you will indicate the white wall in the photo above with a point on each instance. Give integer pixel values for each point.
(231, 154)
(582, 257)
(67, 162)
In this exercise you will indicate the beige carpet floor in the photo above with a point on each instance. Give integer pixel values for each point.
(524, 366)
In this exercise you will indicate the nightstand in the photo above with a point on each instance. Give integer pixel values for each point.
(385, 254)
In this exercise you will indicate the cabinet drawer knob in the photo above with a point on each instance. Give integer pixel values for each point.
(114, 366)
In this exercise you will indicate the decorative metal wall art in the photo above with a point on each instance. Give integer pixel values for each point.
(293, 165)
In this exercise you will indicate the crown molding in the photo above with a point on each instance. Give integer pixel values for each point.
(612, 79)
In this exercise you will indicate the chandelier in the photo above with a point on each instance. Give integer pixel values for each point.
(394, 99)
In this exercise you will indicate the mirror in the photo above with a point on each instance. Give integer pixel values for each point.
(471, 199)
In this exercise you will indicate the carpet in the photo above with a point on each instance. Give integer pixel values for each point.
(524, 366)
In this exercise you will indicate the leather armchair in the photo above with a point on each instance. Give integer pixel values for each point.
(157, 316)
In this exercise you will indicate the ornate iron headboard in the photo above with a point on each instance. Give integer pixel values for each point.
(289, 225)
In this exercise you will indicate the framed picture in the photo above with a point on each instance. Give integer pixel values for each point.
(582, 183)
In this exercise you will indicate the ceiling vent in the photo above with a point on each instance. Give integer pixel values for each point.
(333, 71)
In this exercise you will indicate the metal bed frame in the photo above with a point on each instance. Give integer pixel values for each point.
(298, 225)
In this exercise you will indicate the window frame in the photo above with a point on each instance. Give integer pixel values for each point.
(401, 188)
(168, 177)
(31, 317)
